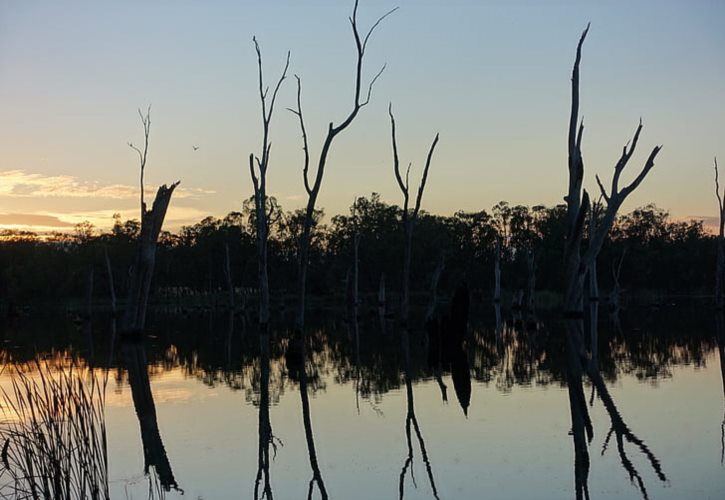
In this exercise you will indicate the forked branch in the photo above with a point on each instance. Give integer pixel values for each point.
(142, 153)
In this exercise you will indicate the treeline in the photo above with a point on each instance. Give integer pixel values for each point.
(656, 253)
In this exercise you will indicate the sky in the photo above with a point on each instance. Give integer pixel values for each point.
(492, 77)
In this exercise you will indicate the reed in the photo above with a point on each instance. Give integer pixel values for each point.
(53, 433)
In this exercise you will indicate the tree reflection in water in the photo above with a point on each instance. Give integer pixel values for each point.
(266, 438)
(720, 338)
(134, 355)
(411, 420)
(579, 362)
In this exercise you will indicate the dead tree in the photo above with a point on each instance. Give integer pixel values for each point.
(356, 261)
(497, 272)
(142, 270)
(531, 265)
(410, 217)
(259, 182)
(616, 294)
(313, 188)
(111, 288)
(228, 277)
(594, 216)
(578, 261)
(720, 269)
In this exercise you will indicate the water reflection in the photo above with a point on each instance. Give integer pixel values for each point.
(579, 362)
(412, 421)
(720, 338)
(262, 483)
(494, 350)
(154, 453)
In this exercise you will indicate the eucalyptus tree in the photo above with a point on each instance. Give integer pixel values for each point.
(578, 262)
(312, 186)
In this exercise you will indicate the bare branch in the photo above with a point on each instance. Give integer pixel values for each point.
(142, 154)
(624, 159)
(717, 190)
(601, 188)
(645, 170)
(276, 88)
(255, 181)
(425, 175)
(360, 46)
(370, 87)
(575, 97)
(375, 25)
(305, 147)
(396, 161)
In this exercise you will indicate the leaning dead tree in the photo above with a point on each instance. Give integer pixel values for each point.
(720, 270)
(410, 217)
(134, 317)
(312, 186)
(259, 180)
(578, 261)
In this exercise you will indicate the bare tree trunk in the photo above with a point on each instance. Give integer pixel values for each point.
(228, 275)
(409, 217)
(259, 182)
(111, 286)
(89, 293)
(497, 272)
(434, 287)
(356, 276)
(531, 283)
(720, 269)
(313, 189)
(578, 264)
(381, 294)
(134, 317)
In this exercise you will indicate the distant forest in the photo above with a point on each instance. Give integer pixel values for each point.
(656, 254)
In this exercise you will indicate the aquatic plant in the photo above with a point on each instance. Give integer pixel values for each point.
(53, 433)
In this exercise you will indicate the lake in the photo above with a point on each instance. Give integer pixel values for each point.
(519, 407)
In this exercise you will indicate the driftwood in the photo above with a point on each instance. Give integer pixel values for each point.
(579, 262)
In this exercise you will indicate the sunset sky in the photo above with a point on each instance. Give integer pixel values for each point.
(493, 77)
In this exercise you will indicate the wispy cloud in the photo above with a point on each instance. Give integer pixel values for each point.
(18, 183)
(10, 220)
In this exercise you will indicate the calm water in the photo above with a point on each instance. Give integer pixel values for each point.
(202, 406)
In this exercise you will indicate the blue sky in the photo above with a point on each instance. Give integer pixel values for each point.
(491, 77)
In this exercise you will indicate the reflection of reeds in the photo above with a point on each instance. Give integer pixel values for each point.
(54, 434)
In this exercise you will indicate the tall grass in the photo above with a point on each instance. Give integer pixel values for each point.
(53, 433)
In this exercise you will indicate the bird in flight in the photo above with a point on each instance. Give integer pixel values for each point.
(195, 147)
